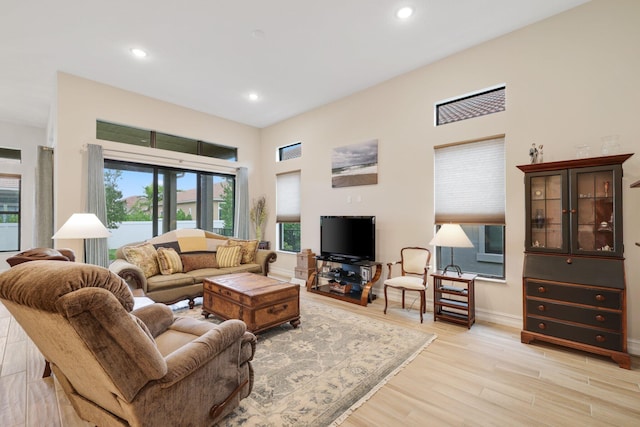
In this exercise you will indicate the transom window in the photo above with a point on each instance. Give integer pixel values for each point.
(152, 139)
(289, 152)
(469, 106)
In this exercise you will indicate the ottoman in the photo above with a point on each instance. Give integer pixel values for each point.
(259, 301)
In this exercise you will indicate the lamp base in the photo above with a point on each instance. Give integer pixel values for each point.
(452, 267)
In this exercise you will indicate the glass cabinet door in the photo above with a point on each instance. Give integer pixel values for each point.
(547, 227)
(595, 212)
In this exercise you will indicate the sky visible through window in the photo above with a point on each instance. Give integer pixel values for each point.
(133, 183)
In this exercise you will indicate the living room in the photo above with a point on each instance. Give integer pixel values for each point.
(570, 81)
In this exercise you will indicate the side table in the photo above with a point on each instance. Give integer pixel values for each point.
(453, 297)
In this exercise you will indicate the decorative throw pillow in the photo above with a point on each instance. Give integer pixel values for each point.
(144, 256)
(229, 256)
(196, 261)
(212, 244)
(249, 249)
(169, 261)
(192, 243)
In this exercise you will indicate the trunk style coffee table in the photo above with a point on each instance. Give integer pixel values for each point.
(259, 301)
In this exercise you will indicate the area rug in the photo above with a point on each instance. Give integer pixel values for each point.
(317, 374)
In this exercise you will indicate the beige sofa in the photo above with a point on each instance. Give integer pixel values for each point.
(120, 367)
(199, 251)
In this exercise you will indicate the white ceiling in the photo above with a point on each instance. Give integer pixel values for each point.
(206, 55)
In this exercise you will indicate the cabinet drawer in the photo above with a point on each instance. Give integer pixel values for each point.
(220, 290)
(225, 308)
(277, 312)
(607, 298)
(585, 335)
(587, 316)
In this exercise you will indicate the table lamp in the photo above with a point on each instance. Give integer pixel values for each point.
(82, 226)
(453, 236)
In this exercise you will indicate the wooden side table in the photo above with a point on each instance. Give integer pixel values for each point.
(453, 297)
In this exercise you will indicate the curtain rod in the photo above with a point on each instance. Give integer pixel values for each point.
(172, 160)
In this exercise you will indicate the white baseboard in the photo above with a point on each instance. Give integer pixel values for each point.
(633, 347)
(503, 319)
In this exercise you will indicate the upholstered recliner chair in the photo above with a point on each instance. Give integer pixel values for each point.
(117, 367)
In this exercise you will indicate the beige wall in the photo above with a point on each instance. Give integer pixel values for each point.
(81, 102)
(571, 80)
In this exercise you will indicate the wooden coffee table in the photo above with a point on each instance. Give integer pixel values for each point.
(260, 301)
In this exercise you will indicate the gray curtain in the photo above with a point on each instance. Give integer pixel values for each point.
(96, 250)
(44, 198)
(242, 203)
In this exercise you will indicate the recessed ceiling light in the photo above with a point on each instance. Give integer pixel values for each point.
(404, 13)
(253, 96)
(138, 53)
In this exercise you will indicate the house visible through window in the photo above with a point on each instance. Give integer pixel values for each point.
(478, 104)
(9, 213)
(289, 152)
(469, 190)
(288, 211)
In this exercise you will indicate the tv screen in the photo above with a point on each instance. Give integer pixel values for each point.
(350, 237)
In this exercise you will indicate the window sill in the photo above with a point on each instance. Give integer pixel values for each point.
(491, 280)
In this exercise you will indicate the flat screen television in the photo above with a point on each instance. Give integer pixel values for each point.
(350, 238)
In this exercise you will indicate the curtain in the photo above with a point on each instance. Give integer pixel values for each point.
(96, 250)
(242, 203)
(44, 198)
(469, 182)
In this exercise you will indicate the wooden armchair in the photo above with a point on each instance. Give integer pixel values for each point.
(414, 265)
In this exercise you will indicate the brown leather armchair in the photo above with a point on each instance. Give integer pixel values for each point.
(122, 367)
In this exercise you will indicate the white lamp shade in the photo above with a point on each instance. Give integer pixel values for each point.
(82, 226)
(451, 235)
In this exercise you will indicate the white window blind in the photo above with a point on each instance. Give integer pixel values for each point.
(469, 182)
(288, 197)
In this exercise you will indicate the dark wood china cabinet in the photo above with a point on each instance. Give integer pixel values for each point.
(574, 291)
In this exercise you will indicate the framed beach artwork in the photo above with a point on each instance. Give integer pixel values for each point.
(355, 164)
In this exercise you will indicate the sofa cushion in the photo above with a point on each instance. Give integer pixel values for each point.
(170, 281)
(200, 275)
(229, 256)
(169, 261)
(144, 256)
(248, 248)
(195, 261)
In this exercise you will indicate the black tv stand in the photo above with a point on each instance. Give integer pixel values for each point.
(345, 279)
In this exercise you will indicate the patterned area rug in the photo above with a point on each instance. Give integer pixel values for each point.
(317, 374)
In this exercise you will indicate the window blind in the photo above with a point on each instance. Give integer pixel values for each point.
(469, 182)
(288, 197)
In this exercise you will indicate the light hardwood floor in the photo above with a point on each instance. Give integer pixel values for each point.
(478, 377)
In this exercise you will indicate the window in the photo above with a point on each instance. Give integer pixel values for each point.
(288, 152)
(469, 106)
(469, 190)
(149, 138)
(10, 155)
(9, 213)
(145, 200)
(288, 211)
